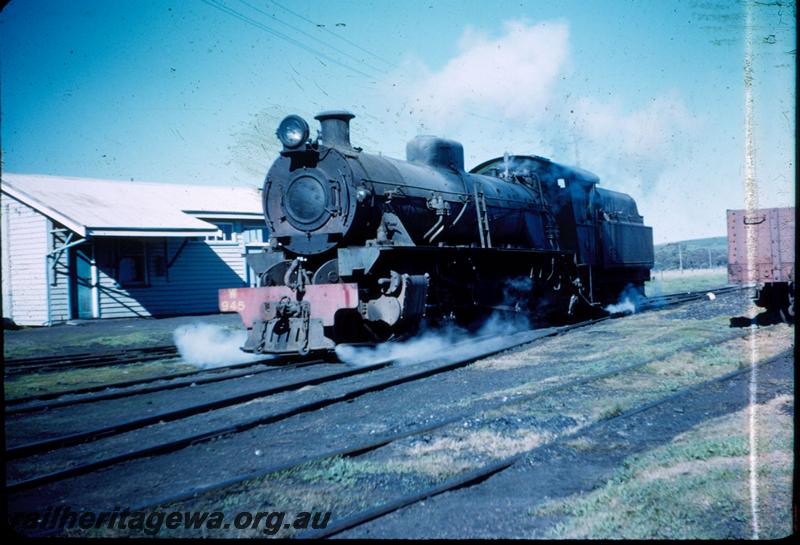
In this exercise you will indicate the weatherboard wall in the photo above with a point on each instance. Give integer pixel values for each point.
(25, 264)
(197, 270)
(189, 286)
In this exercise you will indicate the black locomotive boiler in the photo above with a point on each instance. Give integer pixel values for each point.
(364, 247)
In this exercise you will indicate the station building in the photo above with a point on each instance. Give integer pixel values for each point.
(77, 248)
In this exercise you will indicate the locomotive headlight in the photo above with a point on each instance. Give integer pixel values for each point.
(292, 131)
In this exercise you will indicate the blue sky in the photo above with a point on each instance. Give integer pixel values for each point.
(649, 95)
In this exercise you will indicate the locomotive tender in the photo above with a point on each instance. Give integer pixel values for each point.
(364, 247)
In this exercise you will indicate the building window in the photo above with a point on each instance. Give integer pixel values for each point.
(254, 233)
(224, 232)
(131, 263)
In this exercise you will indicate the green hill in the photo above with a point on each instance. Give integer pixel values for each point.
(701, 253)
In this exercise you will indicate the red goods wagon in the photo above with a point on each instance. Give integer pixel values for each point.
(771, 232)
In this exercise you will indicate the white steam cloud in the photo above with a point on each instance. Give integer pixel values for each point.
(449, 342)
(628, 303)
(206, 345)
(626, 306)
(402, 353)
(510, 76)
(516, 92)
(635, 148)
(639, 133)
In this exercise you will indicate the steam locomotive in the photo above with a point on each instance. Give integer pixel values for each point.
(364, 247)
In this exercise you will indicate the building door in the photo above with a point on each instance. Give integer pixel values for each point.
(81, 267)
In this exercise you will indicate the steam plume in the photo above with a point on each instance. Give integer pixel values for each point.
(628, 302)
(206, 345)
(449, 341)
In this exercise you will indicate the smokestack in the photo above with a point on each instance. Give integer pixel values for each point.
(335, 128)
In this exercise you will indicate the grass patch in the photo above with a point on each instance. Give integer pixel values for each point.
(611, 412)
(80, 341)
(43, 383)
(137, 338)
(696, 487)
(655, 340)
(674, 281)
(338, 484)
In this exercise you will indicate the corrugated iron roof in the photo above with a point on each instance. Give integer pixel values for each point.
(92, 207)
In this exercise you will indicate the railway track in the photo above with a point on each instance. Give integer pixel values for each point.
(183, 412)
(117, 390)
(87, 360)
(370, 444)
(466, 479)
(480, 474)
(171, 446)
(60, 442)
(660, 301)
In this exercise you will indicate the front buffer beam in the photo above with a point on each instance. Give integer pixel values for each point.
(281, 320)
